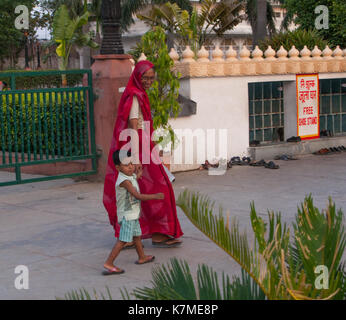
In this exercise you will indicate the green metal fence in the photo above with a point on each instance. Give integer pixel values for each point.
(46, 125)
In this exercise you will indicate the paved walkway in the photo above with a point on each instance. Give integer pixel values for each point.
(60, 231)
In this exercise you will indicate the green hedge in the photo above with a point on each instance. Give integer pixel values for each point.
(40, 81)
(29, 129)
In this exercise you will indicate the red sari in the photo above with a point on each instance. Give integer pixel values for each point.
(158, 216)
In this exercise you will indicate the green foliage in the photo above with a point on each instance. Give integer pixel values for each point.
(12, 40)
(304, 15)
(282, 269)
(194, 28)
(35, 80)
(175, 282)
(33, 123)
(277, 267)
(319, 239)
(164, 92)
(130, 7)
(298, 38)
(83, 294)
(68, 32)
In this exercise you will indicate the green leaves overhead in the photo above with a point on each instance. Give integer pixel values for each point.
(194, 28)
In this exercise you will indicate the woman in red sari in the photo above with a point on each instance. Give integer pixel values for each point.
(159, 218)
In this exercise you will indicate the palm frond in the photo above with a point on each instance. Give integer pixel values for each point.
(199, 210)
(320, 240)
(175, 282)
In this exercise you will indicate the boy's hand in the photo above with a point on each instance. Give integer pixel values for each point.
(160, 196)
(138, 170)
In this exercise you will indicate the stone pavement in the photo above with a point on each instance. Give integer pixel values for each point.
(60, 231)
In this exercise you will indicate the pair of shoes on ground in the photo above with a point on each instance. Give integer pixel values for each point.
(337, 149)
(285, 157)
(262, 163)
(330, 150)
(237, 161)
(254, 143)
(294, 139)
(208, 165)
(326, 133)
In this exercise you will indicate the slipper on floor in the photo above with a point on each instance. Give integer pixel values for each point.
(285, 157)
(108, 272)
(260, 163)
(147, 261)
(246, 160)
(322, 151)
(271, 165)
(235, 161)
(164, 244)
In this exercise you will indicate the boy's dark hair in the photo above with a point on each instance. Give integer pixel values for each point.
(120, 155)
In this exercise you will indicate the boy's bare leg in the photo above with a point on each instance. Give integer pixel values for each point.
(113, 255)
(142, 258)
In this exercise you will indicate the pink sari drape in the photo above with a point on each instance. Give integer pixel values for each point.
(158, 216)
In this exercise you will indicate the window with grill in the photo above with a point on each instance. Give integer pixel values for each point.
(333, 105)
(266, 111)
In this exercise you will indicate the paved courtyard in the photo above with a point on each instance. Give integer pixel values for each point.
(60, 231)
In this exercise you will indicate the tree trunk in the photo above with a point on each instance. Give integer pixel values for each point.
(260, 31)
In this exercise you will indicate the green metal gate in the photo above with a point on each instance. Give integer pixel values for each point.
(46, 125)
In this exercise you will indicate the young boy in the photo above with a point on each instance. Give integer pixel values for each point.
(128, 211)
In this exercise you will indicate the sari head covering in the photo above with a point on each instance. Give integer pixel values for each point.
(157, 215)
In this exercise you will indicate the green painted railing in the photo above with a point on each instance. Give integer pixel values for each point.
(46, 125)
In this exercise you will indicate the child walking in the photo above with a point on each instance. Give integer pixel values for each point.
(128, 199)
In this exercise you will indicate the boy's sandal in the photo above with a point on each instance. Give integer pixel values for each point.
(165, 244)
(151, 259)
(132, 246)
(108, 272)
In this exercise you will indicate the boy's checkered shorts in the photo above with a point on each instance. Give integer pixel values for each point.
(129, 229)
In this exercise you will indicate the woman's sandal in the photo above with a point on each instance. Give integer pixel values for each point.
(164, 244)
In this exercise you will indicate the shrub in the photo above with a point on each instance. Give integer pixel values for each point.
(43, 123)
(298, 38)
(35, 80)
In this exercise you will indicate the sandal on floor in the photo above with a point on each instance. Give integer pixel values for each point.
(146, 261)
(235, 161)
(108, 272)
(164, 244)
(271, 165)
(322, 151)
(246, 160)
(260, 163)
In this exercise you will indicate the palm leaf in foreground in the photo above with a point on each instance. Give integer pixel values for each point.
(175, 282)
(199, 209)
